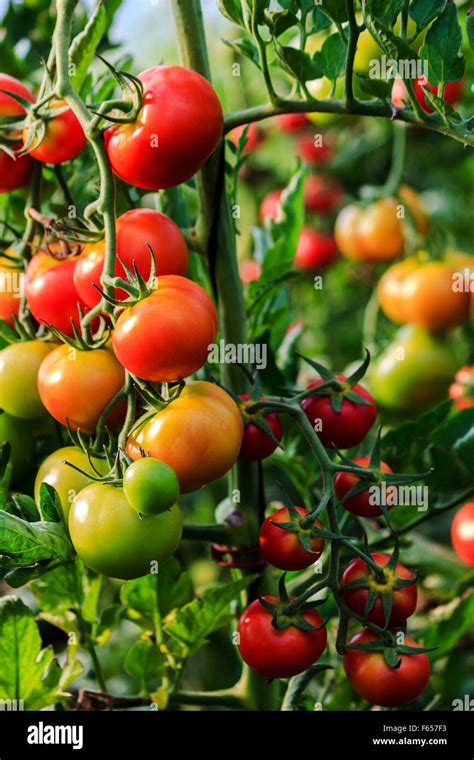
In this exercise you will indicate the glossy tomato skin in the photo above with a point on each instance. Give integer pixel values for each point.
(150, 486)
(281, 548)
(461, 392)
(199, 435)
(291, 122)
(14, 172)
(136, 229)
(166, 336)
(11, 288)
(278, 653)
(177, 130)
(271, 207)
(312, 153)
(404, 599)
(360, 503)
(256, 444)
(452, 93)
(67, 481)
(315, 250)
(346, 428)
(322, 195)
(114, 540)
(76, 386)
(51, 293)
(64, 138)
(462, 533)
(18, 434)
(380, 684)
(19, 367)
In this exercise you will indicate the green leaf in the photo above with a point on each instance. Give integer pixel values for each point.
(24, 507)
(424, 11)
(56, 591)
(332, 57)
(90, 605)
(279, 21)
(84, 45)
(298, 64)
(170, 589)
(320, 21)
(28, 543)
(144, 662)
(446, 633)
(231, 9)
(246, 48)
(470, 28)
(336, 9)
(376, 87)
(442, 48)
(50, 504)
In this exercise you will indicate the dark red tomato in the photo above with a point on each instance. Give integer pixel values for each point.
(282, 548)
(178, 128)
(64, 138)
(135, 229)
(360, 504)
(404, 599)
(249, 271)
(278, 653)
(322, 195)
(253, 136)
(291, 122)
(14, 172)
(316, 250)
(271, 207)
(312, 153)
(256, 444)
(452, 92)
(461, 392)
(462, 533)
(346, 428)
(380, 684)
(50, 291)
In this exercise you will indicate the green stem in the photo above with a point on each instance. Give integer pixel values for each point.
(351, 52)
(398, 160)
(218, 534)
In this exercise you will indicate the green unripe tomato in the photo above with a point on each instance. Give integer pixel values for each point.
(151, 486)
(18, 434)
(19, 365)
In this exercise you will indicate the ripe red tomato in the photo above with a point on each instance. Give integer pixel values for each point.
(346, 428)
(316, 250)
(360, 503)
(271, 207)
(50, 291)
(64, 138)
(404, 599)
(166, 336)
(452, 92)
(249, 271)
(322, 195)
(11, 287)
(253, 136)
(462, 533)
(14, 172)
(282, 548)
(313, 154)
(278, 653)
(76, 386)
(461, 392)
(256, 444)
(291, 122)
(135, 229)
(380, 684)
(178, 128)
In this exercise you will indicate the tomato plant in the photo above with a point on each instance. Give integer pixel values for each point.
(256, 442)
(287, 549)
(150, 486)
(19, 367)
(462, 533)
(15, 171)
(63, 137)
(360, 503)
(315, 250)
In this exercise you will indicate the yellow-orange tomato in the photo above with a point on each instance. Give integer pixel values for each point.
(390, 288)
(199, 435)
(11, 286)
(415, 207)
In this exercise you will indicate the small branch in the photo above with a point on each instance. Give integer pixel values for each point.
(351, 52)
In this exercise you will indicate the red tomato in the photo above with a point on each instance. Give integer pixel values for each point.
(50, 291)
(315, 250)
(281, 548)
(461, 392)
(452, 92)
(271, 207)
(135, 229)
(346, 428)
(249, 271)
(253, 136)
(313, 154)
(11, 287)
(462, 533)
(404, 599)
(256, 444)
(178, 128)
(278, 653)
(380, 684)
(64, 138)
(322, 195)
(166, 336)
(360, 503)
(291, 122)
(14, 172)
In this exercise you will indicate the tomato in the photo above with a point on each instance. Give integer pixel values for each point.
(67, 481)
(462, 533)
(76, 386)
(63, 140)
(256, 444)
(14, 172)
(271, 207)
(403, 599)
(199, 435)
(11, 287)
(414, 371)
(380, 684)
(367, 52)
(462, 390)
(452, 92)
(346, 428)
(282, 548)
(422, 293)
(50, 291)
(249, 271)
(278, 653)
(360, 503)
(17, 433)
(166, 336)
(291, 122)
(315, 251)
(150, 486)
(114, 540)
(312, 153)
(136, 230)
(19, 366)
(253, 136)
(178, 128)
(322, 195)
